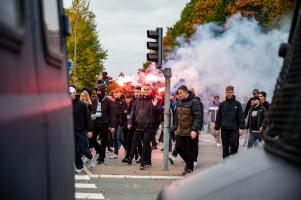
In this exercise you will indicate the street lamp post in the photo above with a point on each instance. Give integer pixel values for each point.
(91, 15)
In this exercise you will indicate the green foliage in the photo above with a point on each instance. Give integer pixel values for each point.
(89, 53)
(196, 12)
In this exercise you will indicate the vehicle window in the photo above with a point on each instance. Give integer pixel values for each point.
(10, 12)
(51, 25)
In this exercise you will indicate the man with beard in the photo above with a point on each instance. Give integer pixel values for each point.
(143, 117)
(255, 93)
(230, 119)
(255, 119)
(103, 121)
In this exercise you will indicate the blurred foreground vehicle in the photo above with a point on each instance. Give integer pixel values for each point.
(36, 142)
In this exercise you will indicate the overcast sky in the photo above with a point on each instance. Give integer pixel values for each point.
(122, 26)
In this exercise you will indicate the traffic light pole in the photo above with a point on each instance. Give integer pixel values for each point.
(166, 131)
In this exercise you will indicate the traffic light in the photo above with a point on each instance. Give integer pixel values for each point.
(156, 47)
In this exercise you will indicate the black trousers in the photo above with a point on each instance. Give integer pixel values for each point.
(230, 141)
(129, 133)
(195, 147)
(81, 148)
(103, 133)
(185, 148)
(145, 137)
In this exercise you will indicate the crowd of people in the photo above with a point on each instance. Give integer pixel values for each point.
(131, 120)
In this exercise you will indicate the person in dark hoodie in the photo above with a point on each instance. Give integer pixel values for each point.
(118, 105)
(254, 123)
(143, 117)
(187, 124)
(82, 130)
(231, 121)
(103, 121)
(125, 116)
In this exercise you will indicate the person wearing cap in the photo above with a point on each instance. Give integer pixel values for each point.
(254, 124)
(255, 93)
(103, 121)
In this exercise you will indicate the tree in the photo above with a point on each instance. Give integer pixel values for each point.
(196, 12)
(89, 53)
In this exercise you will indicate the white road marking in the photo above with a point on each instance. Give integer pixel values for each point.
(79, 195)
(85, 185)
(139, 177)
(81, 177)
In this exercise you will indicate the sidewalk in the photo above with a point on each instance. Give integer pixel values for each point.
(209, 154)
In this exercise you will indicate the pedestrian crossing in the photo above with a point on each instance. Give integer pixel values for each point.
(84, 189)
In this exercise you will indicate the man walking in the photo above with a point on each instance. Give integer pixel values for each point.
(230, 120)
(255, 119)
(82, 130)
(143, 117)
(187, 124)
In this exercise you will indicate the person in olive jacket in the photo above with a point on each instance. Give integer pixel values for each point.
(231, 121)
(187, 124)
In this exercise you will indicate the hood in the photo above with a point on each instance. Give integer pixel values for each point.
(190, 96)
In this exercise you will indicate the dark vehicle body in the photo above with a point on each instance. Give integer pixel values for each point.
(273, 172)
(36, 127)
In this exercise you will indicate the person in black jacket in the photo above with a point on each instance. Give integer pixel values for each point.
(125, 116)
(118, 105)
(248, 106)
(82, 130)
(230, 119)
(262, 100)
(254, 123)
(143, 117)
(103, 121)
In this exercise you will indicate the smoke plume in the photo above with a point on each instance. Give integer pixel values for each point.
(238, 53)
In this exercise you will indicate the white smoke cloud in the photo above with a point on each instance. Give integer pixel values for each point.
(239, 53)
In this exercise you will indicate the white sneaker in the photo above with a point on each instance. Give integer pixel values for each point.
(92, 162)
(195, 164)
(113, 156)
(78, 171)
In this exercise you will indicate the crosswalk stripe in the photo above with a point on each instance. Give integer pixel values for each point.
(81, 177)
(85, 185)
(139, 177)
(79, 195)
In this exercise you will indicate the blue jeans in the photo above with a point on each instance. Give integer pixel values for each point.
(81, 148)
(253, 139)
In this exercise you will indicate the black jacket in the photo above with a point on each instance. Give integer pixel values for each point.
(108, 118)
(266, 105)
(144, 113)
(117, 108)
(202, 111)
(126, 114)
(255, 118)
(81, 116)
(230, 115)
(248, 106)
